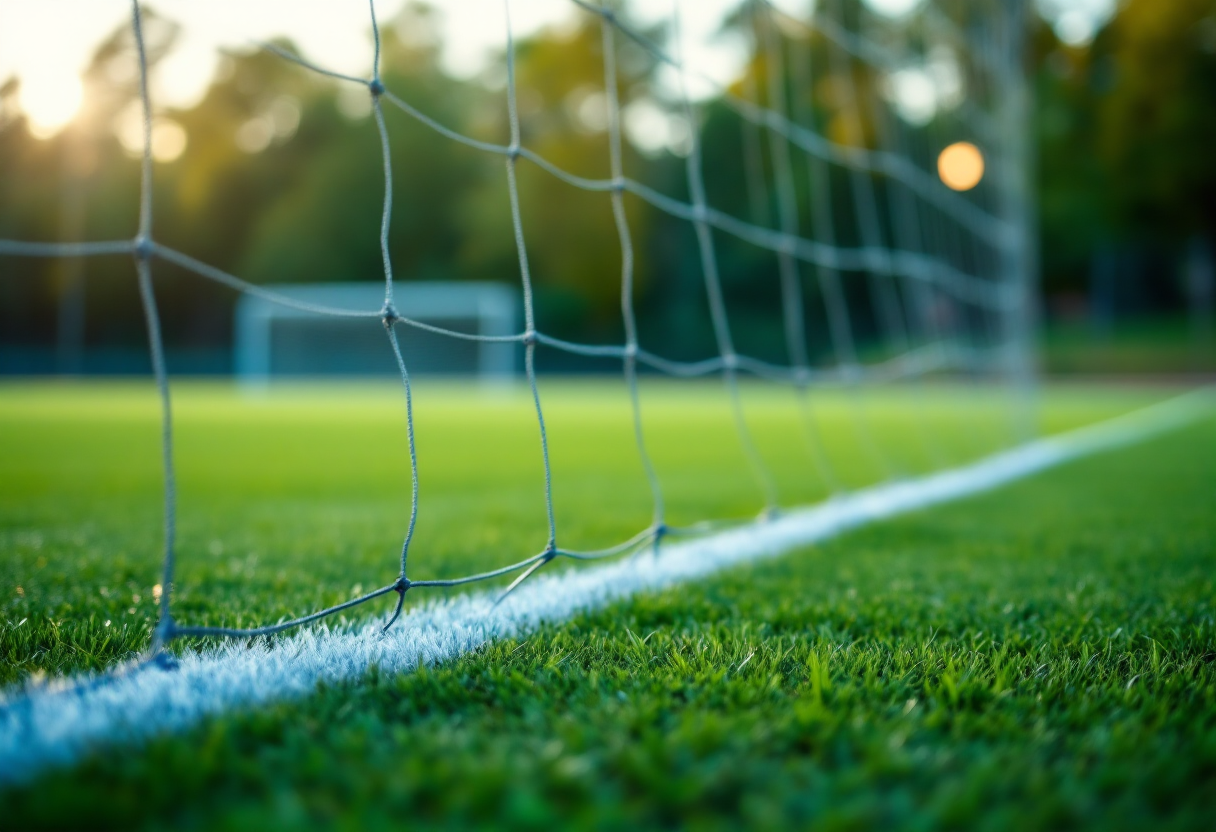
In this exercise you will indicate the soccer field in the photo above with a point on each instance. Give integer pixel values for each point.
(1036, 657)
(298, 498)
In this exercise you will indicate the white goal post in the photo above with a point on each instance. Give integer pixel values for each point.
(271, 340)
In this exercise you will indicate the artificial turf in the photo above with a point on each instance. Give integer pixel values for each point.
(1038, 657)
(297, 499)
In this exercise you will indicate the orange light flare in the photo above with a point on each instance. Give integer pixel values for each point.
(961, 166)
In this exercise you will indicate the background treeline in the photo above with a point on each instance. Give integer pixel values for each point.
(1126, 132)
(281, 181)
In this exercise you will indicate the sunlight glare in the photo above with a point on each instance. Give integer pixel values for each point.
(893, 8)
(50, 100)
(169, 138)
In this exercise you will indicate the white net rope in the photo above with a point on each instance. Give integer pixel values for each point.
(934, 247)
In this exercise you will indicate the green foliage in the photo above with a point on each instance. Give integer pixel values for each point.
(1123, 131)
(303, 204)
(1039, 657)
(1124, 134)
(1157, 122)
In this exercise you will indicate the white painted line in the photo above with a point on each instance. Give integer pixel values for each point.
(57, 725)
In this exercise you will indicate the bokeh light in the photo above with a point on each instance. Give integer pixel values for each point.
(893, 8)
(961, 166)
(168, 137)
(49, 100)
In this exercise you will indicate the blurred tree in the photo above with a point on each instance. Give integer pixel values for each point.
(324, 224)
(1155, 73)
(276, 175)
(1126, 127)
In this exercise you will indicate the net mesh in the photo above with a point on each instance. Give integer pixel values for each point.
(925, 250)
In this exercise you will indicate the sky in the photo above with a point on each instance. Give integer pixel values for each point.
(47, 43)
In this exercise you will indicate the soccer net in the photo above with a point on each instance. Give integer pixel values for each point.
(924, 145)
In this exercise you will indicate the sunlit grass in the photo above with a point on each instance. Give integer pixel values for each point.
(1039, 657)
(297, 498)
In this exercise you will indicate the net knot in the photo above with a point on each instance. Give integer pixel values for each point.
(530, 339)
(164, 632)
(402, 586)
(631, 350)
(389, 314)
(513, 151)
(143, 247)
(730, 361)
(376, 87)
(618, 184)
(608, 14)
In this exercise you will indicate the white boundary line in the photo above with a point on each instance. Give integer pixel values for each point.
(57, 725)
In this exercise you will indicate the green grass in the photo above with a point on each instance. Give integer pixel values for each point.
(1039, 657)
(297, 500)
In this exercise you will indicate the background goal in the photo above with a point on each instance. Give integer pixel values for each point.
(275, 341)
